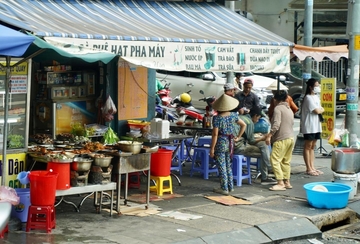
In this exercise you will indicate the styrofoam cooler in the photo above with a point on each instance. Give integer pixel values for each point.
(153, 125)
(163, 129)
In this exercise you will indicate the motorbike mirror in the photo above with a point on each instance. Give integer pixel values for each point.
(201, 92)
(282, 78)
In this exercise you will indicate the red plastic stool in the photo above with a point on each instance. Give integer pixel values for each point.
(133, 180)
(41, 217)
(5, 230)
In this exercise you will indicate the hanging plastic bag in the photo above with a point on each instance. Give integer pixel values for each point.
(345, 139)
(8, 194)
(109, 109)
(331, 138)
(338, 134)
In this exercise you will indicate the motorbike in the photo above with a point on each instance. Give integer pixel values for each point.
(209, 101)
(163, 108)
(188, 113)
(164, 95)
(165, 112)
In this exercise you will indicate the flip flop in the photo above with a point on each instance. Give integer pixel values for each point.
(312, 173)
(277, 188)
(319, 172)
(288, 186)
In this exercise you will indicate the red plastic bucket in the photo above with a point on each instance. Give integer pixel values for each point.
(63, 169)
(161, 162)
(42, 187)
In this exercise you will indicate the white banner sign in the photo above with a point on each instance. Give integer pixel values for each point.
(185, 56)
(18, 84)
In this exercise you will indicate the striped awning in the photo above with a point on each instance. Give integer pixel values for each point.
(157, 34)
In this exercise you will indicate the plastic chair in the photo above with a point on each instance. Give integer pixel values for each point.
(159, 184)
(239, 164)
(41, 217)
(201, 163)
(256, 164)
(205, 140)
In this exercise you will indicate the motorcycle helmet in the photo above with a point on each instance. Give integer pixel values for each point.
(185, 98)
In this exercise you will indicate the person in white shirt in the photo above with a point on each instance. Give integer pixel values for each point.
(311, 111)
(239, 77)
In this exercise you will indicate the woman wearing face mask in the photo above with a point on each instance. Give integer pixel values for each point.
(310, 124)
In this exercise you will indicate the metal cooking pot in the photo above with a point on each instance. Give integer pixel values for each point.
(130, 146)
(103, 162)
(81, 164)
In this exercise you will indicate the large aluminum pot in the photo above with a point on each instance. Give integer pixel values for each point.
(102, 161)
(81, 164)
(345, 160)
(130, 146)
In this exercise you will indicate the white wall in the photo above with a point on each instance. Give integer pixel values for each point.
(266, 14)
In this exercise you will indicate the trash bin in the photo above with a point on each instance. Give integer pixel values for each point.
(161, 162)
(63, 169)
(42, 187)
(20, 211)
(345, 160)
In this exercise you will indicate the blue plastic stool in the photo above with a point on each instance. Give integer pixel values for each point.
(239, 161)
(176, 162)
(202, 155)
(186, 148)
(205, 140)
(257, 163)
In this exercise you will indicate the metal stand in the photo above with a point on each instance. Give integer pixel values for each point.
(321, 148)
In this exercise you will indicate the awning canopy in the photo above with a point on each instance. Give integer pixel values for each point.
(319, 53)
(13, 43)
(160, 35)
(52, 52)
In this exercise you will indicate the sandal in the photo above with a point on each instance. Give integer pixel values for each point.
(319, 172)
(288, 186)
(277, 188)
(312, 173)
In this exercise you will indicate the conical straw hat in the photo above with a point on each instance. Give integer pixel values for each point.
(274, 86)
(225, 103)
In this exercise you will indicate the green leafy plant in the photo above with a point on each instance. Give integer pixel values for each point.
(15, 141)
(78, 129)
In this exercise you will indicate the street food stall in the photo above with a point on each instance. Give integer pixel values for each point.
(15, 115)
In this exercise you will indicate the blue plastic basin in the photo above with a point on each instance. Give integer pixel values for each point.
(336, 197)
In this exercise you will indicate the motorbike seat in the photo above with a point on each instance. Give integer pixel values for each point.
(193, 109)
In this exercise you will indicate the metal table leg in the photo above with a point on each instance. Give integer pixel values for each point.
(62, 199)
(148, 190)
(118, 188)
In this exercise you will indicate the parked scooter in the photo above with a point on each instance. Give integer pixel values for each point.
(184, 108)
(209, 111)
(209, 101)
(187, 112)
(164, 95)
(164, 112)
